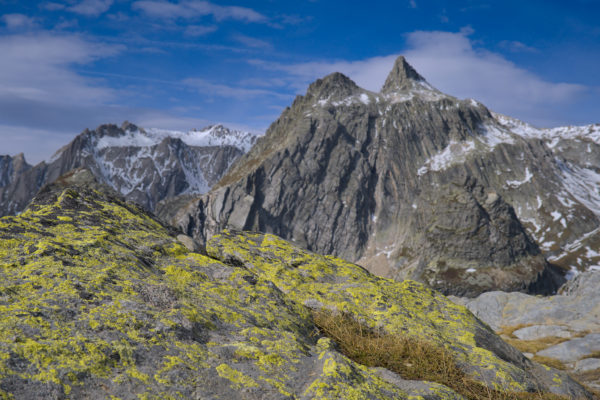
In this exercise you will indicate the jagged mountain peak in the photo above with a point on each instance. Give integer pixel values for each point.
(333, 86)
(401, 76)
(403, 80)
(128, 126)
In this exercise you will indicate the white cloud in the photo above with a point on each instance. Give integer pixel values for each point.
(452, 63)
(193, 9)
(91, 8)
(42, 98)
(18, 21)
(37, 68)
(51, 6)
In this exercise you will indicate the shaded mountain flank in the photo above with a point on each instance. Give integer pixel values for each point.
(98, 299)
(412, 183)
(146, 166)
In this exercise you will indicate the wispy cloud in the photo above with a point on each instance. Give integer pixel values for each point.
(517, 47)
(51, 6)
(18, 21)
(199, 30)
(193, 9)
(91, 8)
(455, 65)
(38, 87)
(252, 42)
(412, 4)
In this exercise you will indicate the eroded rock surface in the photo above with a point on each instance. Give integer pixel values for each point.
(565, 327)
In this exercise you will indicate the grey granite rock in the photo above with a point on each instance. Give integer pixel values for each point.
(408, 182)
(573, 316)
(574, 349)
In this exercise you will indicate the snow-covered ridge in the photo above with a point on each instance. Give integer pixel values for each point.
(215, 135)
(591, 132)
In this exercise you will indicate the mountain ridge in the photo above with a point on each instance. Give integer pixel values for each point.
(144, 165)
(358, 174)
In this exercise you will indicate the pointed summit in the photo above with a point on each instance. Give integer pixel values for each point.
(402, 77)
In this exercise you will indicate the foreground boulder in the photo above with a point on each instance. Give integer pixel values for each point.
(100, 300)
(561, 330)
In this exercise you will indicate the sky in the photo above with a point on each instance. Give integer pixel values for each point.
(68, 65)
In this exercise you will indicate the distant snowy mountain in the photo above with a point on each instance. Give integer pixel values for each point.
(145, 165)
(565, 217)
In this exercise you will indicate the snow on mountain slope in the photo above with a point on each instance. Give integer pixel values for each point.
(214, 135)
(565, 220)
(553, 135)
(145, 165)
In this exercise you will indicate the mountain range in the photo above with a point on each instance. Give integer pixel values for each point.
(413, 183)
(145, 165)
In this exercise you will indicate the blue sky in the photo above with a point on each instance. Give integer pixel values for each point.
(67, 65)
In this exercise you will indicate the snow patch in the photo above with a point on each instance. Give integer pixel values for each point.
(552, 135)
(455, 152)
(493, 135)
(216, 135)
(527, 178)
(583, 184)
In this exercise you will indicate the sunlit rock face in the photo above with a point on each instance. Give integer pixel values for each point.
(413, 183)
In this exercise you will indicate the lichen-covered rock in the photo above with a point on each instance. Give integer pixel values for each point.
(100, 300)
(407, 308)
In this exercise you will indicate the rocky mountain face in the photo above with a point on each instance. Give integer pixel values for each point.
(11, 168)
(98, 299)
(145, 166)
(411, 182)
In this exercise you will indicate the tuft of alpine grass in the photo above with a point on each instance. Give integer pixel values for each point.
(411, 358)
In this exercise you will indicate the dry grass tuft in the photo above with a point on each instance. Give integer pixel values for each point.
(550, 362)
(533, 346)
(410, 358)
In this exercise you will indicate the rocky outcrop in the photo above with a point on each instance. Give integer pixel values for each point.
(562, 329)
(99, 300)
(146, 166)
(408, 182)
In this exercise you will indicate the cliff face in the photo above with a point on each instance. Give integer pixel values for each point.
(408, 182)
(146, 166)
(98, 299)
